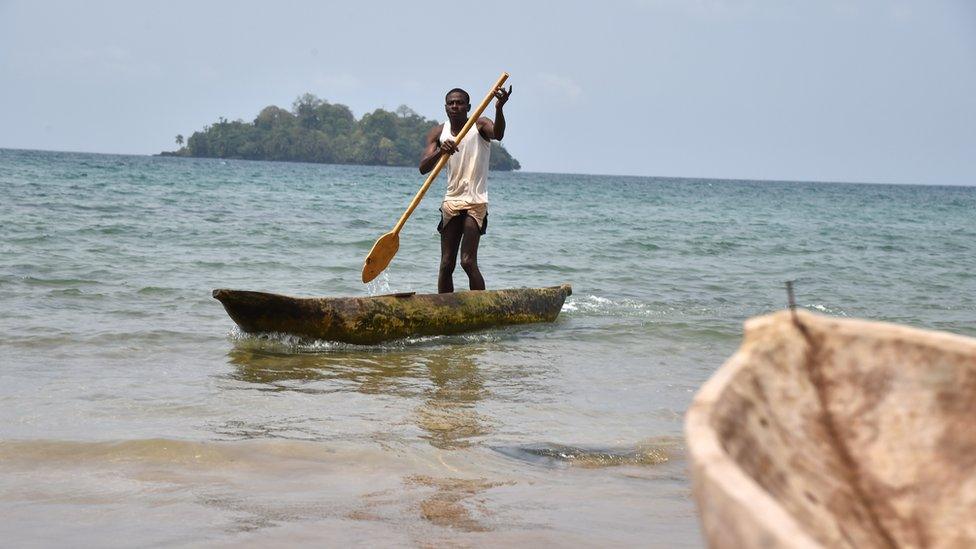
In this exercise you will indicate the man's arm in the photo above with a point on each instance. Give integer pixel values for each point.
(433, 151)
(495, 130)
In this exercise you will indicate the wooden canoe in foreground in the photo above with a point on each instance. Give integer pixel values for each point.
(837, 433)
(370, 320)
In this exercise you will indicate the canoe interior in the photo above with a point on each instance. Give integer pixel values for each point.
(843, 433)
(370, 320)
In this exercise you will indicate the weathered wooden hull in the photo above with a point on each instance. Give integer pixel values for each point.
(837, 433)
(370, 320)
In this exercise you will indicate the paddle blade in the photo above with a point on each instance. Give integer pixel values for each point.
(381, 254)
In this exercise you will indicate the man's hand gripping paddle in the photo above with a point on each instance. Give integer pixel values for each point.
(387, 245)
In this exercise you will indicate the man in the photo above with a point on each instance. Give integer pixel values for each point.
(464, 211)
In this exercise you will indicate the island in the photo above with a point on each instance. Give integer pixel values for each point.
(318, 131)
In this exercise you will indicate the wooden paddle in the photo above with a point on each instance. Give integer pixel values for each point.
(387, 245)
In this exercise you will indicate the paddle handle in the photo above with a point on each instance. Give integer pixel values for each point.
(472, 120)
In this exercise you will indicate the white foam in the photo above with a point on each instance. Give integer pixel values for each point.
(380, 285)
(826, 310)
(599, 305)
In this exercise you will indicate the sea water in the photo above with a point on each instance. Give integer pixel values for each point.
(134, 413)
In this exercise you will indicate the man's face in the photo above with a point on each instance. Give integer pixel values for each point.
(456, 105)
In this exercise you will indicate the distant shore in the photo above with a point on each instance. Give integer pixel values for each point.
(503, 166)
(320, 132)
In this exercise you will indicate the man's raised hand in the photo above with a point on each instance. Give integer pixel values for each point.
(502, 95)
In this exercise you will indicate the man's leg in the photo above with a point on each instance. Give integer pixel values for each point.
(450, 240)
(469, 252)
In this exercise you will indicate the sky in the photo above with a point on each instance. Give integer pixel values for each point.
(829, 90)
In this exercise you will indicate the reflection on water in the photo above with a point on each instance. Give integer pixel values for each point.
(424, 424)
(449, 415)
(446, 505)
(383, 373)
(446, 382)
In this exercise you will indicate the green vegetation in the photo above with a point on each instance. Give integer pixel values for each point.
(318, 131)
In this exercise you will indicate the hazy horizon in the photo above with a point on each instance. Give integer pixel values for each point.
(840, 91)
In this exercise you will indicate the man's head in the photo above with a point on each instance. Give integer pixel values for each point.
(457, 103)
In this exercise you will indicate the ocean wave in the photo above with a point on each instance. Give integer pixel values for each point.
(364, 243)
(705, 247)
(826, 310)
(135, 338)
(646, 453)
(39, 281)
(360, 223)
(210, 454)
(287, 343)
(640, 244)
(544, 267)
(74, 292)
(157, 290)
(32, 239)
(602, 306)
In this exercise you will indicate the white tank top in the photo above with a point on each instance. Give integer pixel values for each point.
(467, 170)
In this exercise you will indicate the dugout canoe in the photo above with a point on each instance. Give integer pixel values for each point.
(821, 432)
(371, 320)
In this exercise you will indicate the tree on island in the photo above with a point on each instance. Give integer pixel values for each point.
(179, 140)
(322, 132)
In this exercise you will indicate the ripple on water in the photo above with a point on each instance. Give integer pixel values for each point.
(287, 343)
(652, 452)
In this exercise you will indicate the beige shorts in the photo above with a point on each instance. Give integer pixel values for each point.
(453, 208)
